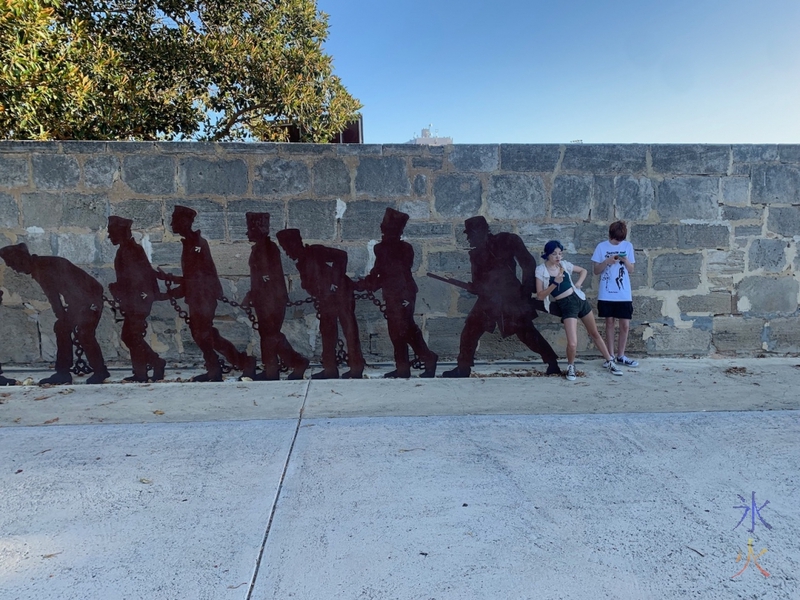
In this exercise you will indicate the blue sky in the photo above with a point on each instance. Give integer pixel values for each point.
(708, 71)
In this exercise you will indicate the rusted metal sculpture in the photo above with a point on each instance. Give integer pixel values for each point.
(268, 297)
(199, 285)
(79, 312)
(503, 301)
(135, 291)
(392, 274)
(323, 275)
(5, 380)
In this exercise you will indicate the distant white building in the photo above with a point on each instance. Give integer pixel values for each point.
(426, 139)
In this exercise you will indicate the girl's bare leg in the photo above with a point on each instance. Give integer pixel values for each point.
(591, 329)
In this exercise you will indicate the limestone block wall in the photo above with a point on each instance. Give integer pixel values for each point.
(715, 227)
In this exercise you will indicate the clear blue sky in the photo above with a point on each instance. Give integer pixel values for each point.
(711, 71)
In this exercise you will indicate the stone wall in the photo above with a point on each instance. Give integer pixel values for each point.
(715, 229)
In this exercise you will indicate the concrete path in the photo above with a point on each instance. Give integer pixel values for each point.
(491, 487)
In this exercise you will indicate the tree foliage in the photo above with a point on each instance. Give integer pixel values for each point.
(167, 69)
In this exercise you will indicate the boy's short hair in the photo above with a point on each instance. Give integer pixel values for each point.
(618, 230)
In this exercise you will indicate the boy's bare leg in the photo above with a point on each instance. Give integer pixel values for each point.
(610, 334)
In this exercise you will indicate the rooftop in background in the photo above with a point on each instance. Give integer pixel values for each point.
(426, 139)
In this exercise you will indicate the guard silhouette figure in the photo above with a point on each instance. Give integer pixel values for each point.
(392, 275)
(136, 289)
(5, 380)
(268, 297)
(503, 301)
(199, 285)
(323, 275)
(80, 310)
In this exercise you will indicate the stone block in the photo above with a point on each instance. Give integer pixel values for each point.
(742, 213)
(358, 259)
(767, 254)
(775, 184)
(603, 198)
(640, 277)
(653, 237)
(464, 302)
(280, 176)
(100, 171)
(457, 196)
(536, 235)
(330, 177)
(534, 158)
(449, 262)
(146, 214)
(316, 219)
(722, 266)
(85, 210)
(20, 288)
(149, 174)
(633, 197)
(231, 259)
(647, 309)
(703, 236)
(382, 177)
(784, 220)
(602, 159)
(41, 209)
(430, 230)
(789, 153)
(470, 157)
(434, 297)
(444, 334)
(20, 327)
(237, 221)
(688, 198)
(677, 271)
(432, 163)
(735, 191)
(80, 249)
(415, 209)
(668, 341)
(201, 176)
(754, 153)
(9, 211)
(420, 185)
(768, 295)
(55, 171)
(513, 196)
(715, 303)
(405, 149)
(38, 242)
(210, 218)
(13, 172)
(783, 335)
(571, 197)
(732, 335)
(691, 159)
(358, 149)
(587, 236)
(744, 231)
(362, 220)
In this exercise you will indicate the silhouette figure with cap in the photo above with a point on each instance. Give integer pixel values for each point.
(392, 275)
(323, 275)
(268, 297)
(5, 380)
(503, 301)
(79, 311)
(199, 285)
(136, 289)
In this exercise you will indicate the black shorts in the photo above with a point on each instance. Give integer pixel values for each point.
(616, 310)
(573, 307)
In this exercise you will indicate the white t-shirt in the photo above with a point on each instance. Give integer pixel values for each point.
(615, 281)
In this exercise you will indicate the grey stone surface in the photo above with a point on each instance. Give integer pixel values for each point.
(316, 219)
(734, 335)
(536, 235)
(703, 236)
(465, 157)
(100, 171)
(647, 309)
(362, 220)
(742, 213)
(331, 177)
(654, 237)
(382, 177)
(748, 231)
(767, 254)
(85, 210)
(633, 197)
(41, 209)
(237, 220)
(434, 297)
(204, 177)
(415, 209)
(149, 174)
(715, 303)
(457, 196)
(784, 220)
(55, 171)
(9, 211)
(784, 335)
(514, 196)
(603, 198)
(420, 185)
(768, 295)
(432, 163)
(789, 153)
(429, 230)
(687, 342)
(753, 153)
(78, 248)
(605, 158)
(280, 176)
(778, 184)
(735, 191)
(13, 171)
(571, 197)
(690, 159)
(19, 327)
(587, 236)
(146, 214)
(449, 262)
(677, 271)
(445, 332)
(539, 158)
(210, 218)
(688, 198)
(359, 149)
(304, 148)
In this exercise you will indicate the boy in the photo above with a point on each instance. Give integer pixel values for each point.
(613, 261)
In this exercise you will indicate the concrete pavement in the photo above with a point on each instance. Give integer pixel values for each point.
(491, 487)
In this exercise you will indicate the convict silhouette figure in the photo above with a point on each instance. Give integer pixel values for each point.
(503, 301)
(323, 275)
(268, 297)
(392, 275)
(136, 289)
(5, 380)
(78, 312)
(199, 285)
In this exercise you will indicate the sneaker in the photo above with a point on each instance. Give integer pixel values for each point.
(571, 373)
(628, 362)
(612, 368)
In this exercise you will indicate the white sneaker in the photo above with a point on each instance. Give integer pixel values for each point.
(612, 368)
(571, 373)
(628, 362)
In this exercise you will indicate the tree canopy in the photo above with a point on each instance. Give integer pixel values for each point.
(168, 69)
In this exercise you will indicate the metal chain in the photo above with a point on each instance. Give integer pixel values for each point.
(247, 309)
(81, 367)
(181, 313)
